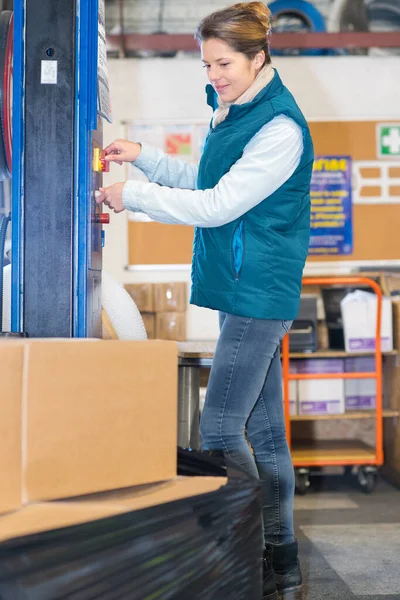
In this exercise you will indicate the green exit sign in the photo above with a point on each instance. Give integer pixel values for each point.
(388, 140)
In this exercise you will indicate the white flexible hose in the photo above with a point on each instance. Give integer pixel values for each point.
(6, 325)
(121, 310)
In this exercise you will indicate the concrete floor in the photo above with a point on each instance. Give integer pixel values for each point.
(349, 541)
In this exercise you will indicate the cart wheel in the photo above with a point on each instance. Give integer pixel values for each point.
(367, 478)
(302, 481)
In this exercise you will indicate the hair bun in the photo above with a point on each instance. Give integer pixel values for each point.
(262, 12)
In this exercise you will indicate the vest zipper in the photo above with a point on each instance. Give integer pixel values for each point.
(238, 249)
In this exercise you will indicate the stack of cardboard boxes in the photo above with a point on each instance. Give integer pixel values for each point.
(163, 308)
(80, 417)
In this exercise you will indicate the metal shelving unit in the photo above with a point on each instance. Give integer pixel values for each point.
(346, 453)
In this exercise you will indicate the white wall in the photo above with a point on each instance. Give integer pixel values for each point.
(326, 88)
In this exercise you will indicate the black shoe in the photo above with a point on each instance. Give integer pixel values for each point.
(288, 578)
(269, 586)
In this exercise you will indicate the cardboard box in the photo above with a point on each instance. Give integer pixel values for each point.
(170, 297)
(11, 366)
(149, 320)
(323, 336)
(359, 312)
(143, 295)
(396, 322)
(320, 396)
(99, 416)
(360, 394)
(171, 326)
(389, 282)
(48, 516)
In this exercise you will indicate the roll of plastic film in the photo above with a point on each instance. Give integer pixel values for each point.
(383, 15)
(300, 16)
(386, 12)
(349, 15)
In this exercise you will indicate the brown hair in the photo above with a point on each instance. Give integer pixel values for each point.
(244, 27)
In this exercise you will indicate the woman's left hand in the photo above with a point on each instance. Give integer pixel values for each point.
(111, 197)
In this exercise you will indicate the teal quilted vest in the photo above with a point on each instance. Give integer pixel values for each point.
(252, 267)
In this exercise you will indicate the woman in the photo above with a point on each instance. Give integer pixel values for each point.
(249, 200)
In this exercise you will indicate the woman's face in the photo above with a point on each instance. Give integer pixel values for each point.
(230, 73)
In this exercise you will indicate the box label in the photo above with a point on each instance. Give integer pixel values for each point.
(317, 365)
(319, 407)
(360, 402)
(49, 72)
(368, 344)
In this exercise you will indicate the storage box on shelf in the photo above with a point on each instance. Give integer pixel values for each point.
(171, 326)
(360, 394)
(170, 297)
(359, 313)
(319, 396)
(143, 295)
(163, 308)
(149, 321)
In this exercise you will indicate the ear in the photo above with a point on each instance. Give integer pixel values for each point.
(259, 59)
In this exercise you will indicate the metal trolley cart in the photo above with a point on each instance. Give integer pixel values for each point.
(346, 453)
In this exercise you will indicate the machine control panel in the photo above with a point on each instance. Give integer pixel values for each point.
(96, 216)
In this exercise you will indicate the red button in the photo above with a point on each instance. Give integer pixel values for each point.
(105, 165)
(103, 218)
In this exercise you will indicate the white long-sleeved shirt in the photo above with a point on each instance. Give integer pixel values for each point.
(268, 160)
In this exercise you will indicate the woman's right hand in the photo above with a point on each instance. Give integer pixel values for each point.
(122, 151)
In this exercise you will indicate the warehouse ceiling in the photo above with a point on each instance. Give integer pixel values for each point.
(142, 18)
(168, 16)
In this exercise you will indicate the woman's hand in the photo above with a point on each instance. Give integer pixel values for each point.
(122, 151)
(112, 197)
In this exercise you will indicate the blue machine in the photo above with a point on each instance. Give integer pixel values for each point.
(57, 232)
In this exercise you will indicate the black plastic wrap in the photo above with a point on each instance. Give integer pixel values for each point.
(203, 547)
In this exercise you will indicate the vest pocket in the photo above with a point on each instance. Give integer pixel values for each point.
(238, 249)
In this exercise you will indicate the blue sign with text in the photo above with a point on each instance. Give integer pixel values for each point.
(331, 206)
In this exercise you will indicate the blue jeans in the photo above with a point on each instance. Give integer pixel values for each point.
(244, 394)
